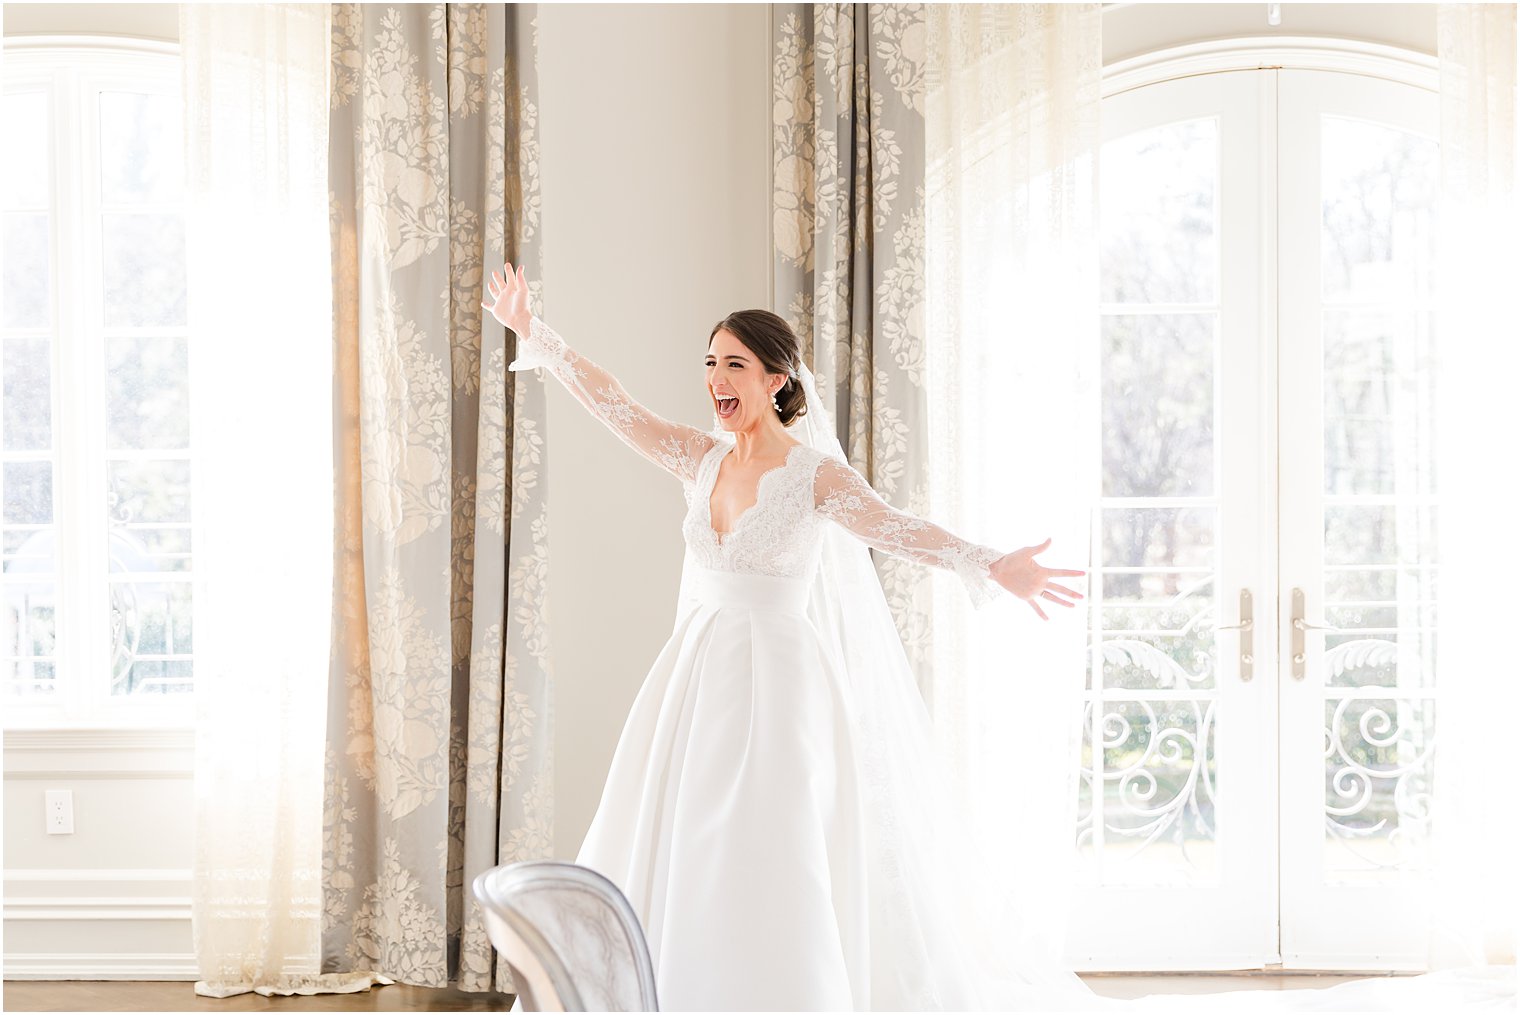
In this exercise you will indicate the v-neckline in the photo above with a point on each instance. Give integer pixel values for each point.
(718, 537)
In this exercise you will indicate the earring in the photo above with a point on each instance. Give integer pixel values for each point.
(776, 403)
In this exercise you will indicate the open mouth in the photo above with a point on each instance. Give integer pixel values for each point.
(727, 405)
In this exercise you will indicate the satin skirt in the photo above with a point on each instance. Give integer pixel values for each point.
(731, 815)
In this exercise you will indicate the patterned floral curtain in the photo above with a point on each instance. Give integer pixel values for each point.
(848, 246)
(439, 721)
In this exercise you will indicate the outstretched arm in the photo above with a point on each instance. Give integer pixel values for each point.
(842, 494)
(674, 447)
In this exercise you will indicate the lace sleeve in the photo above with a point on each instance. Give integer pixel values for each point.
(674, 447)
(842, 494)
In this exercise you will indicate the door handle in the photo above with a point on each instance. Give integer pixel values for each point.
(1300, 625)
(1245, 627)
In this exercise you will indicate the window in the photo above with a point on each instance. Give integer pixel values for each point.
(94, 433)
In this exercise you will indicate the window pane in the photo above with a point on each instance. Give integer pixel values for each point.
(1379, 198)
(1152, 607)
(1379, 783)
(27, 418)
(1350, 584)
(27, 293)
(147, 393)
(156, 676)
(1358, 534)
(151, 637)
(1379, 403)
(1157, 537)
(27, 150)
(1158, 195)
(144, 548)
(141, 149)
(144, 257)
(27, 619)
(1158, 405)
(1401, 658)
(1166, 661)
(158, 616)
(151, 491)
(28, 493)
(1156, 765)
(28, 550)
(28, 637)
(28, 678)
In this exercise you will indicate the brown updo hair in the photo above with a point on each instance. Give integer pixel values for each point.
(772, 340)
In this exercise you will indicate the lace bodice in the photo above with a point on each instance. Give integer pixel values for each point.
(780, 534)
(777, 535)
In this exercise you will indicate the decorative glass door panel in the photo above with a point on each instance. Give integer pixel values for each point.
(1177, 813)
(1359, 559)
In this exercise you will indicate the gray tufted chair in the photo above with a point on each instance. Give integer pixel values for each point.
(571, 938)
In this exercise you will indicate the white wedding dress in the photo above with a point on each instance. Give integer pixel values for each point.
(748, 814)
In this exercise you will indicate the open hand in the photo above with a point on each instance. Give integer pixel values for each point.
(1018, 573)
(509, 299)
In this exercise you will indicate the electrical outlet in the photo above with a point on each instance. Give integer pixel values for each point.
(60, 811)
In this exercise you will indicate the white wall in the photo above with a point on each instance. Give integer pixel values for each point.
(655, 209)
(142, 21)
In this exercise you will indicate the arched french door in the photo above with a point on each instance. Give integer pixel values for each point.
(1263, 680)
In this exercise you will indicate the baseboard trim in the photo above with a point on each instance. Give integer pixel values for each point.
(95, 966)
(97, 907)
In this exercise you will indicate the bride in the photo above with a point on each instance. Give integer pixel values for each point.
(774, 810)
(734, 814)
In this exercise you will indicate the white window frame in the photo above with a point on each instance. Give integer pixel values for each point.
(74, 70)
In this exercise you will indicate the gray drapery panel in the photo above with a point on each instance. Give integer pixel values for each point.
(439, 723)
(848, 247)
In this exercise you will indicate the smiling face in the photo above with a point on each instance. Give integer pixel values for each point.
(739, 384)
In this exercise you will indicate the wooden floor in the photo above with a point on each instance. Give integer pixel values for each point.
(180, 995)
(161, 995)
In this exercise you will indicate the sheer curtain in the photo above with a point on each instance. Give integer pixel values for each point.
(1476, 807)
(256, 88)
(1012, 135)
